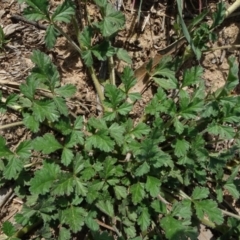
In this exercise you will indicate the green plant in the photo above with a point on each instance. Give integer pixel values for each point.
(3, 40)
(111, 177)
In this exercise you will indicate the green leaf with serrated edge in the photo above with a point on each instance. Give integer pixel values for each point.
(225, 132)
(112, 22)
(233, 175)
(175, 229)
(64, 12)
(36, 10)
(67, 156)
(166, 83)
(193, 109)
(74, 217)
(30, 122)
(78, 137)
(219, 193)
(109, 116)
(78, 122)
(183, 209)
(109, 168)
(101, 141)
(64, 234)
(12, 99)
(25, 102)
(142, 169)
(101, 3)
(97, 123)
(64, 185)
(144, 218)
(45, 109)
(24, 149)
(51, 36)
(106, 207)
(181, 147)
(210, 209)
(28, 89)
(78, 164)
(232, 79)
(114, 95)
(120, 192)
(179, 127)
(128, 78)
(86, 37)
(66, 91)
(140, 130)
(159, 206)
(44, 178)
(46, 144)
(200, 193)
(61, 105)
(63, 125)
(92, 224)
(25, 217)
(116, 132)
(45, 71)
(88, 173)
(8, 228)
(4, 150)
(80, 187)
(123, 55)
(134, 96)
(124, 109)
(130, 231)
(233, 190)
(13, 168)
(137, 191)
(153, 186)
(192, 76)
(113, 181)
(87, 57)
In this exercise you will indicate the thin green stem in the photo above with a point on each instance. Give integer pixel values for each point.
(97, 85)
